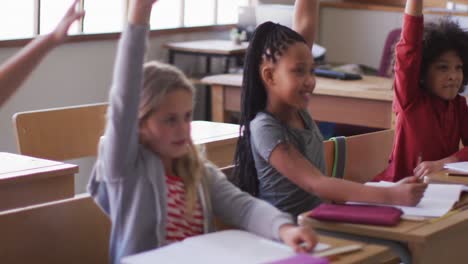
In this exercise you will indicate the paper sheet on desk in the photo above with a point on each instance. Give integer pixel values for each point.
(438, 199)
(457, 166)
(227, 247)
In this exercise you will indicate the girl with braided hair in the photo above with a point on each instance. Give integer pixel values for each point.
(279, 155)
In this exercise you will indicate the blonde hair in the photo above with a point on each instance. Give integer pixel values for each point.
(159, 79)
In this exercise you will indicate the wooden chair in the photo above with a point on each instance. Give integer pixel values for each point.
(67, 231)
(329, 152)
(367, 155)
(60, 133)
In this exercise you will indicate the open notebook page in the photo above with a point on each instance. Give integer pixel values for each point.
(438, 199)
(227, 247)
(458, 166)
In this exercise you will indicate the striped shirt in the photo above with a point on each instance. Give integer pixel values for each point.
(178, 226)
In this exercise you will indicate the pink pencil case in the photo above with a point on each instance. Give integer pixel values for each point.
(301, 259)
(357, 214)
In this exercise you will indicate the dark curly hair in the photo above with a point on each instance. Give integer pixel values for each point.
(440, 37)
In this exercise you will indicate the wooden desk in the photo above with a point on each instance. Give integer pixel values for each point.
(442, 177)
(366, 102)
(219, 140)
(209, 49)
(26, 181)
(369, 254)
(431, 241)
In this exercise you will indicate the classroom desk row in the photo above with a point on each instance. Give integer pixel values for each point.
(438, 240)
(366, 102)
(422, 238)
(26, 180)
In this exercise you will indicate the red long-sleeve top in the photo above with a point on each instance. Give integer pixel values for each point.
(426, 125)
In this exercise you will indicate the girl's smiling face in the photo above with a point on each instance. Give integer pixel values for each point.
(291, 79)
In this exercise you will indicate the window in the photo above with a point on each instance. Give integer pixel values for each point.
(16, 19)
(199, 12)
(228, 10)
(166, 14)
(26, 18)
(103, 16)
(191, 13)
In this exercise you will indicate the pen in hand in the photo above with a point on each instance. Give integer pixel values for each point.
(419, 161)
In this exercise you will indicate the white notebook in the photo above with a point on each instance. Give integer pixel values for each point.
(227, 247)
(437, 201)
(457, 166)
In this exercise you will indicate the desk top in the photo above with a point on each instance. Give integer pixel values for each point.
(207, 249)
(443, 177)
(406, 231)
(370, 87)
(222, 47)
(204, 132)
(14, 167)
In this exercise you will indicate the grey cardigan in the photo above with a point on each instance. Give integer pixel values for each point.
(128, 180)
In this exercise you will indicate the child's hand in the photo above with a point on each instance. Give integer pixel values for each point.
(300, 238)
(60, 32)
(140, 11)
(428, 167)
(408, 191)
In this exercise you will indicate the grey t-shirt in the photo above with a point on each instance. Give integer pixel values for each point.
(266, 133)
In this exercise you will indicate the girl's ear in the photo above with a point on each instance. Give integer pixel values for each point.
(266, 73)
(143, 132)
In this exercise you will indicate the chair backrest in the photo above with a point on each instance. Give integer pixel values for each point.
(329, 152)
(385, 69)
(60, 133)
(67, 231)
(367, 155)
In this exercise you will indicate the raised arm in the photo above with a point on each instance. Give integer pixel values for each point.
(291, 163)
(408, 57)
(16, 69)
(305, 19)
(121, 137)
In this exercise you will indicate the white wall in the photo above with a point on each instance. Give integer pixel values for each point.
(355, 36)
(358, 36)
(79, 73)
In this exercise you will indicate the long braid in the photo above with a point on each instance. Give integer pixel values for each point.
(268, 42)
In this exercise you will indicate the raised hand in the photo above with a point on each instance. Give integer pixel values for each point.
(140, 11)
(60, 32)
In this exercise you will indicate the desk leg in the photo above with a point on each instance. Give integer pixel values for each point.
(217, 104)
(171, 57)
(227, 64)
(208, 64)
